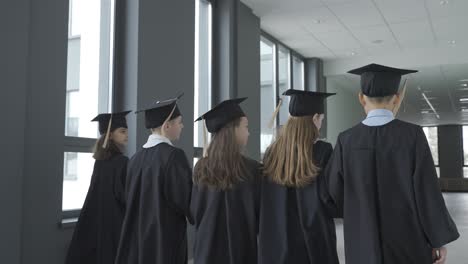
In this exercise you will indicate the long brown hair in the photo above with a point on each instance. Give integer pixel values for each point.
(289, 159)
(224, 165)
(100, 153)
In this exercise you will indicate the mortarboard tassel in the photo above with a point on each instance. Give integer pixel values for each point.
(275, 113)
(205, 139)
(170, 115)
(106, 139)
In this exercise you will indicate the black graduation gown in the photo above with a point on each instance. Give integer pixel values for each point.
(384, 181)
(97, 232)
(159, 185)
(226, 221)
(295, 226)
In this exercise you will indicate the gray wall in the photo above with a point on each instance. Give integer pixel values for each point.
(248, 74)
(156, 61)
(343, 111)
(13, 82)
(34, 98)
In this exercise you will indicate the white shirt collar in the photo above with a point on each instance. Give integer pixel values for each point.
(155, 139)
(378, 117)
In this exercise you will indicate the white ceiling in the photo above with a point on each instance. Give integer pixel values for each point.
(334, 29)
(415, 34)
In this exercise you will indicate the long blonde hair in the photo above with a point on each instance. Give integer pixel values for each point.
(289, 159)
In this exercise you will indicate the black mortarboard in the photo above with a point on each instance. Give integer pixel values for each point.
(222, 114)
(378, 80)
(304, 103)
(118, 120)
(159, 112)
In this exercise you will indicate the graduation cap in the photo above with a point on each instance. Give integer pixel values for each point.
(161, 112)
(222, 114)
(109, 122)
(306, 103)
(378, 80)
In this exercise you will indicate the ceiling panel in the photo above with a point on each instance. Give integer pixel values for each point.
(449, 28)
(361, 13)
(453, 8)
(414, 34)
(340, 40)
(369, 34)
(394, 13)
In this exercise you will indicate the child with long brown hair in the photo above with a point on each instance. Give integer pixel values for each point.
(295, 226)
(225, 196)
(97, 232)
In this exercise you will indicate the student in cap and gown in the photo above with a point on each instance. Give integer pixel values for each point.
(225, 192)
(383, 180)
(97, 232)
(159, 185)
(296, 226)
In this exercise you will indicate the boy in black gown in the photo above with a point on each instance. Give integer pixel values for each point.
(382, 178)
(158, 193)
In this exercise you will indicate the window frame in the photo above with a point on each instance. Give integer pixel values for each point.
(277, 45)
(198, 151)
(106, 89)
(465, 165)
(437, 166)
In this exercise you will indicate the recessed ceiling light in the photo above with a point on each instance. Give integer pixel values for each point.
(352, 53)
(444, 2)
(452, 42)
(377, 41)
(463, 99)
(425, 112)
(464, 84)
(464, 110)
(464, 80)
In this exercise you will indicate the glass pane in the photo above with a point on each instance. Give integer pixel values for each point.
(284, 83)
(465, 145)
(267, 92)
(432, 138)
(298, 73)
(77, 172)
(438, 171)
(465, 172)
(202, 98)
(88, 65)
(195, 160)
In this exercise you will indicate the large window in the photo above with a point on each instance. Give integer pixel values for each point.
(267, 91)
(280, 69)
(89, 89)
(202, 98)
(298, 73)
(465, 151)
(284, 81)
(432, 138)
